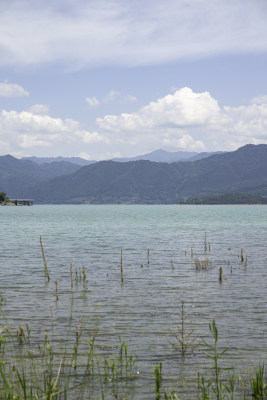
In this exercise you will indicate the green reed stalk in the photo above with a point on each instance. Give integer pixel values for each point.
(56, 290)
(44, 260)
(220, 274)
(157, 373)
(121, 268)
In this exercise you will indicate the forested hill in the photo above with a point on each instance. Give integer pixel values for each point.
(244, 170)
(17, 175)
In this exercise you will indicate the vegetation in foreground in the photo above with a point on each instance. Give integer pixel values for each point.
(45, 371)
(75, 367)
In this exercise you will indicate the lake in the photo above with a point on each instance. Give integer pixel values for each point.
(144, 310)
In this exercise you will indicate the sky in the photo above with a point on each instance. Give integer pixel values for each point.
(119, 78)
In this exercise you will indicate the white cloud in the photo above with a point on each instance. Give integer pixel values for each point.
(94, 33)
(39, 109)
(183, 108)
(20, 131)
(190, 121)
(181, 120)
(89, 137)
(92, 101)
(166, 121)
(114, 95)
(128, 98)
(259, 100)
(12, 90)
(111, 96)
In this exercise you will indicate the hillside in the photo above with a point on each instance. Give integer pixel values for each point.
(49, 160)
(16, 175)
(244, 170)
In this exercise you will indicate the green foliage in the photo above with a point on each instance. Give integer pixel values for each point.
(120, 366)
(214, 386)
(158, 378)
(3, 197)
(229, 198)
(183, 335)
(258, 386)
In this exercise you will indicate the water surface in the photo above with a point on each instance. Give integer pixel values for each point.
(144, 309)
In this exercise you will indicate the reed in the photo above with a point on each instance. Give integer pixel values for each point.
(44, 260)
(215, 385)
(121, 268)
(147, 256)
(258, 386)
(183, 336)
(202, 264)
(75, 349)
(56, 290)
(205, 243)
(242, 255)
(53, 375)
(158, 378)
(84, 281)
(71, 277)
(21, 334)
(2, 301)
(220, 274)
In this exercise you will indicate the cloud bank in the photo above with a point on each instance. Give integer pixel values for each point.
(190, 121)
(181, 120)
(128, 33)
(29, 132)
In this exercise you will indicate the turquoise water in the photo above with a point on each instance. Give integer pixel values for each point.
(144, 309)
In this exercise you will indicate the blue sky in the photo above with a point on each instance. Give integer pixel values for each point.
(102, 79)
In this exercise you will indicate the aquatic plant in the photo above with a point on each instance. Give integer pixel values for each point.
(158, 381)
(214, 385)
(44, 260)
(2, 300)
(258, 386)
(71, 277)
(56, 290)
(220, 274)
(182, 334)
(242, 255)
(202, 264)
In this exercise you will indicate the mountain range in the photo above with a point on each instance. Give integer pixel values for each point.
(157, 156)
(141, 181)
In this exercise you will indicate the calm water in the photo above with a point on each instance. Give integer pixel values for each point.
(144, 310)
